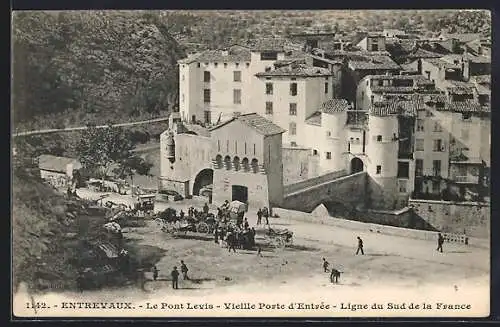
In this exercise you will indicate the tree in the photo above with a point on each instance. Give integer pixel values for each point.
(105, 150)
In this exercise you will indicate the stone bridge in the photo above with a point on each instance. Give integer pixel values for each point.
(346, 189)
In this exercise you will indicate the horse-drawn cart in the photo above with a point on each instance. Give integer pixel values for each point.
(168, 221)
(276, 238)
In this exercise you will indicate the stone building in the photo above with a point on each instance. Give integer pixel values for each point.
(239, 159)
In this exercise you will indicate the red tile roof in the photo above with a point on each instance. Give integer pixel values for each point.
(257, 122)
(235, 53)
(300, 70)
(335, 105)
(54, 163)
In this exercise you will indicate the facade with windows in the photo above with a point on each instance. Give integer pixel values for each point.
(290, 94)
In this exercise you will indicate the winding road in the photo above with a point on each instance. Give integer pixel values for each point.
(81, 128)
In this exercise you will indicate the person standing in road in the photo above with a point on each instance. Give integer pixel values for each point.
(175, 278)
(440, 243)
(184, 270)
(325, 265)
(360, 246)
(155, 272)
(259, 217)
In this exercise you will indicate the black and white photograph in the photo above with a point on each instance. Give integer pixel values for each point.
(251, 163)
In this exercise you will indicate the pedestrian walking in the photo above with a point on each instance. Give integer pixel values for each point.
(155, 272)
(266, 215)
(360, 246)
(440, 243)
(325, 265)
(231, 241)
(259, 217)
(216, 235)
(259, 252)
(175, 278)
(184, 270)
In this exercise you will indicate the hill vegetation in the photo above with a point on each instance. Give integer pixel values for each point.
(73, 68)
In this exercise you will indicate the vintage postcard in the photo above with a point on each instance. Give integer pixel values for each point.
(236, 163)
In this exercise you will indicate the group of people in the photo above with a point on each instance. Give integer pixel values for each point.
(174, 274)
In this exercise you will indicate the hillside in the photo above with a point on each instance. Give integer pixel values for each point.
(71, 68)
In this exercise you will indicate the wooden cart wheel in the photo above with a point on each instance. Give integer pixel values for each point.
(159, 222)
(202, 228)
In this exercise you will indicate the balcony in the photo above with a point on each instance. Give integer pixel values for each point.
(468, 179)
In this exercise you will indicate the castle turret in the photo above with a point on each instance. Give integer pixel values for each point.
(382, 166)
(333, 138)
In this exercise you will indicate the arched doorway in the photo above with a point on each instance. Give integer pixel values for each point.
(203, 179)
(356, 165)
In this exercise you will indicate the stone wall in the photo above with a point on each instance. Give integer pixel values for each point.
(256, 183)
(346, 189)
(328, 177)
(181, 187)
(296, 165)
(370, 227)
(454, 217)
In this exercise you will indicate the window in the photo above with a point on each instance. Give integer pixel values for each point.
(183, 77)
(436, 167)
(268, 55)
(237, 76)
(216, 64)
(207, 116)
(437, 146)
(466, 116)
(237, 96)
(315, 152)
(379, 170)
(293, 128)
(465, 134)
(419, 144)
(199, 65)
(328, 155)
(247, 64)
(245, 147)
(293, 144)
(437, 127)
(293, 89)
(380, 82)
(206, 77)
(328, 133)
(374, 47)
(419, 167)
(237, 64)
(227, 146)
(254, 149)
(420, 125)
(402, 186)
(235, 146)
(436, 186)
(379, 138)
(403, 169)
(269, 108)
(206, 95)
(293, 109)
(326, 87)
(218, 145)
(183, 98)
(225, 65)
(269, 88)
